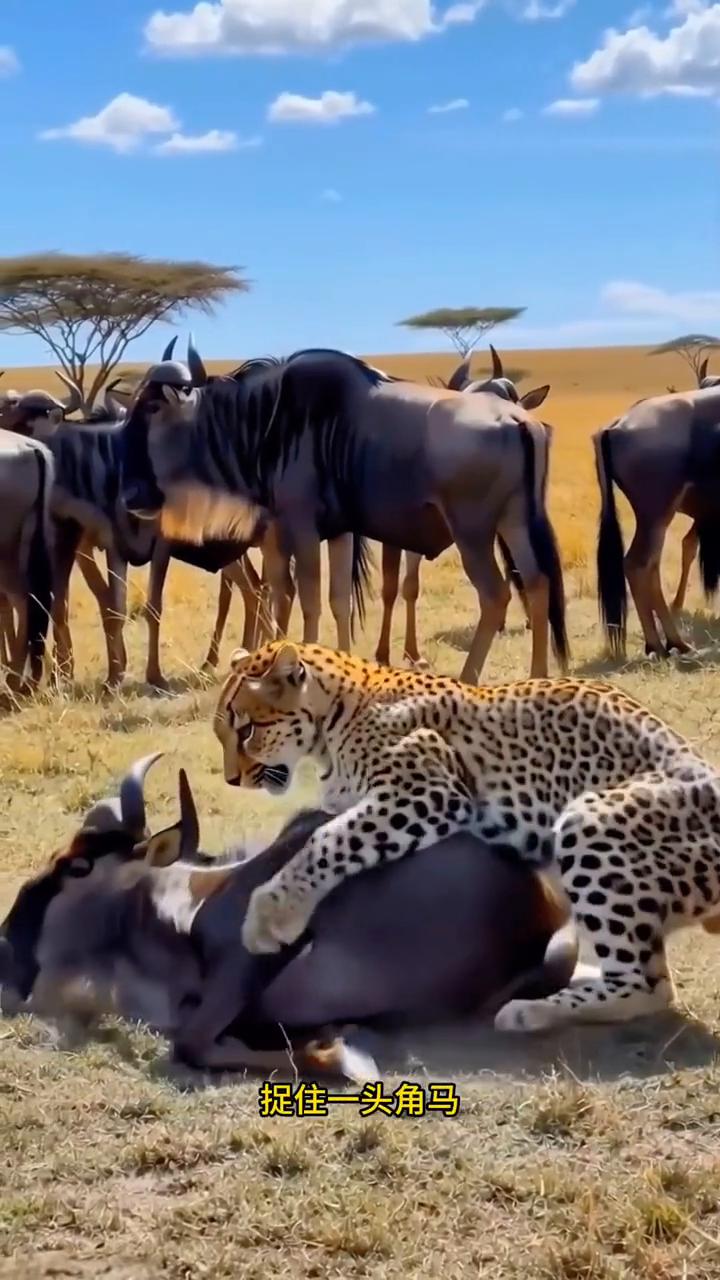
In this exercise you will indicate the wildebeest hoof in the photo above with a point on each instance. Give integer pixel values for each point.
(274, 919)
(418, 664)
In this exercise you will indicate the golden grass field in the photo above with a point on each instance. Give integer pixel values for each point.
(593, 1155)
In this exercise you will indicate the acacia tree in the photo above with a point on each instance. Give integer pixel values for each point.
(693, 348)
(464, 326)
(88, 309)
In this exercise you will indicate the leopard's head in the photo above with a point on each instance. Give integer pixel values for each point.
(268, 716)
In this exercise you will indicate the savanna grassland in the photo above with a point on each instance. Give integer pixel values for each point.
(591, 1155)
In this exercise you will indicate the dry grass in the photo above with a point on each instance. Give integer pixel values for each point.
(588, 1157)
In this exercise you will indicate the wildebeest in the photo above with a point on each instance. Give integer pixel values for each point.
(690, 542)
(324, 445)
(88, 513)
(459, 380)
(26, 555)
(416, 941)
(663, 454)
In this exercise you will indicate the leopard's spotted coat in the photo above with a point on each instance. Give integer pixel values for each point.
(570, 770)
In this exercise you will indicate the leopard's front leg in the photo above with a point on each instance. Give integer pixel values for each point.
(415, 797)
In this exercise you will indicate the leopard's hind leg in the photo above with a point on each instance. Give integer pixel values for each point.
(637, 862)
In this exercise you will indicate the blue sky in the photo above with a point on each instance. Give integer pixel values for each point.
(574, 171)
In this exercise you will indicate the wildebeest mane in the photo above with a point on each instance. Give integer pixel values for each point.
(255, 421)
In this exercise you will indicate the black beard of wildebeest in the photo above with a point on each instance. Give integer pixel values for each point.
(326, 445)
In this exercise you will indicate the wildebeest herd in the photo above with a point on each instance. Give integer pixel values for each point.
(283, 456)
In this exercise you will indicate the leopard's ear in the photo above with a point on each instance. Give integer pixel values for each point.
(287, 667)
(237, 658)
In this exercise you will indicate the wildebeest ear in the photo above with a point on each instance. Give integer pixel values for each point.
(237, 658)
(287, 665)
(163, 849)
(533, 399)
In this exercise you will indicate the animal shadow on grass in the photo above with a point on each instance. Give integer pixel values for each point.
(657, 1045)
(700, 631)
(461, 638)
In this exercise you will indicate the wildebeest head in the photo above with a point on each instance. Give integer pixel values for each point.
(498, 384)
(115, 827)
(37, 413)
(167, 397)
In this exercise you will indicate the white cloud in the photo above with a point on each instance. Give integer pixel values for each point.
(122, 125)
(512, 115)
(632, 298)
(9, 62)
(291, 26)
(442, 108)
(540, 11)
(213, 140)
(331, 196)
(329, 108)
(686, 60)
(570, 107)
(462, 13)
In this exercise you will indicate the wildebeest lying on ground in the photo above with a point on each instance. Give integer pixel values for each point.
(154, 924)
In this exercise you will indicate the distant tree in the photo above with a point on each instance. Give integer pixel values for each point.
(693, 348)
(464, 326)
(89, 308)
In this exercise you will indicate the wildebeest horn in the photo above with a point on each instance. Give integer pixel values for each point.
(195, 364)
(189, 825)
(132, 794)
(498, 371)
(74, 400)
(168, 352)
(702, 373)
(461, 375)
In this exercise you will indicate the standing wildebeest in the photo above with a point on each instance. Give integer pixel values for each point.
(663, 454)
(88, 514)
(421, 940)
(460, 380)
(324, 445)
(690, 542)
(26, 554)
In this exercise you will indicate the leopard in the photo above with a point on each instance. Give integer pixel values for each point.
(571, 775)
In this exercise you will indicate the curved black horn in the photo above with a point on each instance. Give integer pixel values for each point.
(702, 373)
(168, 352)
(74, 400)
(195, 365)
(132, 794)
(461, 376)
(189, 825)
(498, 371)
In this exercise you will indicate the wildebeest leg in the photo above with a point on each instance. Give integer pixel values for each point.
(664, 614)
(308, 569)
(642, 557)
(67, 539)
(410, 592)
(340, 559)
(116, 618)
(478, 558)
(100, 590)
(18, 651)
(159, 566)
(536, 595)
(7, 631)
(276, 559)
(243, 575)
(391, 557)
(690, 545)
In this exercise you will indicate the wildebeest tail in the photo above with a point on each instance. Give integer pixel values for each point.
(40, 572)
(612, 587)
(535, 443)
(362, 566)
